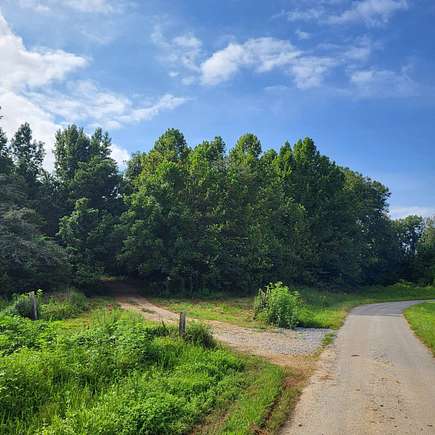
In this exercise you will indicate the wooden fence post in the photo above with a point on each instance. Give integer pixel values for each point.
(34, 305)
(182, 324)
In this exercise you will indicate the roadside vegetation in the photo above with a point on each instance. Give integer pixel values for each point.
(318, 308)
(109, 371)
(199, 226)
(421, 317)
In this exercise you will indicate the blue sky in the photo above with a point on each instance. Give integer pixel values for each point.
(356, 76)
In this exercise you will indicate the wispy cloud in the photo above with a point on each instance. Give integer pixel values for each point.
(181, 52)
(84, 6)
(302, 35)
(383, 83)
(84, 102)
(261, 54)
(21, 67)
(403, 211)
(36, 86)
(368, 12)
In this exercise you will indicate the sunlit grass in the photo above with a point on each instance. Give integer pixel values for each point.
(322, 309)
(421, 317)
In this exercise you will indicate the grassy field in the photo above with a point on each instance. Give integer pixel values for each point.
(421, 317)
(322, 309)
(109, 371)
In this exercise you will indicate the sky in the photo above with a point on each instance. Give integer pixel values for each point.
(356, 76)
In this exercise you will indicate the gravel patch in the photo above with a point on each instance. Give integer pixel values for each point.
(270, 343)
(301, 341)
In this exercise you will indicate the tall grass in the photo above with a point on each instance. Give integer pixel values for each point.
(119, 375)
(421, 317)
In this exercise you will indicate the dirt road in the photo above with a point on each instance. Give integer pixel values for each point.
(277, 345)
(377, 378)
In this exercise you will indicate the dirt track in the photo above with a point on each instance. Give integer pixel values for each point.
(377, 378)
(277, 345)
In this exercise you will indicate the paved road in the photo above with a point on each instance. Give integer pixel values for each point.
(377, 378)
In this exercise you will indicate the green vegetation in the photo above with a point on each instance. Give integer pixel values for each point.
(55, 307)
(265, 385)
(187, 220)
(278, 306)
(111, 372)
(421, 317)
(320, 309)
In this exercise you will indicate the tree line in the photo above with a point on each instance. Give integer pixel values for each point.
(188, 219)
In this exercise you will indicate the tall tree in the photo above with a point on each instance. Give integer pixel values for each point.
(28, 155)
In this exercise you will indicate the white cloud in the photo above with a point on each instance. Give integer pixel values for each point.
(84, 101)
(371, 12)
(120, 155)
(17, 109)
(30, 81)
(401, 212)
(182, 52)
(261, 54)
(383, 84)
(22, 68)
(86, 6)
(305, 14)
(309, 72)
(302, 35)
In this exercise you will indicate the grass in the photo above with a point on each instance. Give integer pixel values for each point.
(109, 371)
(322, 309)
(421, 317)
(270, 395)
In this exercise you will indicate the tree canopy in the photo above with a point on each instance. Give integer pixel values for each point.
(187, 219)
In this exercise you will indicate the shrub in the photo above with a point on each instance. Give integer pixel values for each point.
(200, 334)
(69, 305)
(22, 305)
(277, 305)
(118, 375)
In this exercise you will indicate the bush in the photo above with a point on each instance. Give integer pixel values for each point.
(200, 335)
(59, 308)
(277, 305)
(22, 305)
(118, 375)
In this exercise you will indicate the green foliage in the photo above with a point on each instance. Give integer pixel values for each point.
(421, 317)
(278, 305)
(64, 306)
(423, 267)
(117, 376)
(256, 402)
(18, 332)
(187, 219)
(22, 305)
(200, 335)
(90, 241)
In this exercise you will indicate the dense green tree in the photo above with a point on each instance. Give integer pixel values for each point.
(28, 258)
(187, 219)
(6, 163)
(28, 155)
(424, 263)
(158, 222)
(85, 169)
(90, 240)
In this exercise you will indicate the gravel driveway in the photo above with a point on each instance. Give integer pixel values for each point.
(274, 344)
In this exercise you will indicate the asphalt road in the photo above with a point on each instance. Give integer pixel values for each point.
(377, 378)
